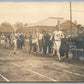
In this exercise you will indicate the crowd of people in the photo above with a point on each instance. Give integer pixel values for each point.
(55, 43)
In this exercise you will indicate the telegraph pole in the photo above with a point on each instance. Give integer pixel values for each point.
(71, 18)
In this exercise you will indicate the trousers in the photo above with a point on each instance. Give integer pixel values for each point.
(56, 47)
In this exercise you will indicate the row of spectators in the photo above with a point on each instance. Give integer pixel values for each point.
(55, 43)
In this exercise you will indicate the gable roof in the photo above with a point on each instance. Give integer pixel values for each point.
(6, 29)
(49, 25)
(50, 21)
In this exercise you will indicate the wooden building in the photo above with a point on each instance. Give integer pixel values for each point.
(50, 25)
(6, 30)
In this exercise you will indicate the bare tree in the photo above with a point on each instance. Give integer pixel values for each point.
(18, 25)
(6, 24)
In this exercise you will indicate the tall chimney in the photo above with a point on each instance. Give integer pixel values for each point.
(76, 22)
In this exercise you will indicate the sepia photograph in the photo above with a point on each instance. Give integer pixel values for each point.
(42, 41)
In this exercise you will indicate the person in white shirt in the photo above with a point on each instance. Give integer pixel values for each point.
(13, 40)
(58, 35)
(40, 42)
(40, 37)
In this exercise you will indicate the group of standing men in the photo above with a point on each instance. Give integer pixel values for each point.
(39, 42)
(47, 42)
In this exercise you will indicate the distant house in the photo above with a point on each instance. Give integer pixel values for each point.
(6, 29)
(80, 29)
(66, 26)
(50, 24)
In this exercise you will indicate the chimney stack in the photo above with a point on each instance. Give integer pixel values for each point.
(58, 22)
(76, 22)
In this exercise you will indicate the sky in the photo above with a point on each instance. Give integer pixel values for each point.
(31, 12)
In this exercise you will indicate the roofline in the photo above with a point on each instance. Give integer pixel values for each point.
(38, 26)
(56, 17)
(68, 21)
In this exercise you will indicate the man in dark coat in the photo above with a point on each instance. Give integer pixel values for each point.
(30, 43)
(46, 38)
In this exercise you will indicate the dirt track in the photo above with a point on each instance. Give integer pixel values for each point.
(34, 68)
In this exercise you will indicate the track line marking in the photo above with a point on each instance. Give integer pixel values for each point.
(70, 72)
(61, 69)
(41, 75)
(74, 73)
(54, 62)
(4, 78)
(37, 73)
(69, 64)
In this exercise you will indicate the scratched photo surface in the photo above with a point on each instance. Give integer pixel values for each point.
(41, 41)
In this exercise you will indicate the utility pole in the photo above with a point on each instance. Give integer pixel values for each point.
(71, 18)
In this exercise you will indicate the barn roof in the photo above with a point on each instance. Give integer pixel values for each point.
(50, 21)
(6, 29)
(49, 25)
